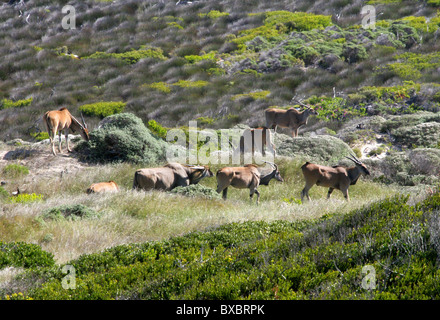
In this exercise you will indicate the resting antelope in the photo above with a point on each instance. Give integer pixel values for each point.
(58, 120)
(247, 177)
(100, 187)
(290, 118)
(335, 177)
(170, 176)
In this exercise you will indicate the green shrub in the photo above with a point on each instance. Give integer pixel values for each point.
(14, 171)
(321, 259)
(261, 94)
(103, 109)
(197, 190)
(327, 149)
(157, 129)
(40, 136)
(160, 86)
(206, 56)
(214, 14)
(24, 255)
(191, 84)
(130, 57)
(70, 212)
(330, 109)
(123, 137)
(299, 21)
(26, 198)
(410, 66)
(6, 103)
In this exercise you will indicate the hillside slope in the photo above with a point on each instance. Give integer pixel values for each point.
(221, 62)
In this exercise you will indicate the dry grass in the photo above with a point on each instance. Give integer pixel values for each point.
(131, 216)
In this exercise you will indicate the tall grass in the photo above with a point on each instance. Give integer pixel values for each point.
(136, 216)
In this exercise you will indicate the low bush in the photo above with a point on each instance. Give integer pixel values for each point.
(103, 109)
(321, 259)
(324, 149)
(130, 57)
(197, 190)
(70, 212)
(24, 255)
(6, 103)
(26, 198)
(123, 137)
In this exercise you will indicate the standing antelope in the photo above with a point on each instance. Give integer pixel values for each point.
(58, 120)
(247, 177)
(335, 177)
(290, 118)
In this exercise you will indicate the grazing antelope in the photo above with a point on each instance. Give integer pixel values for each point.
(246, 177)
(100, 187)
(290, 118)
(58, 120)
(256, 138)
(170, 176)
(335, 177)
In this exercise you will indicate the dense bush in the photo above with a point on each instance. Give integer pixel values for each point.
(325, 148)
(130, 57)
(103, 109)
(70, 212)
(320, 259)
(6, 103)
(24, 255)
(123, 137)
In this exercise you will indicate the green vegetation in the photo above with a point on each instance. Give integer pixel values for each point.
(260, 94)
(197, 190)
(103, 109)
(223, 67)
(321, 259)
(214, 14)
(14, 171)
(6, 103)
(70, 212)
(24, 255)
(196, 58)
(123, 137)
(411, 65)
(26, 198)
(130, 57)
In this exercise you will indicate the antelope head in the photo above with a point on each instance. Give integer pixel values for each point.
(359, 164)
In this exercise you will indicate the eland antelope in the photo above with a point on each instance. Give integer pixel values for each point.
(290, 118)
(249, 177)
(335, 177)
(170, 176)
(101, 187)
(62, 119)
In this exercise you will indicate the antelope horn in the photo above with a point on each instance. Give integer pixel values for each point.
(195, 167)
(82, 119)
(272, 164)
(354, 159)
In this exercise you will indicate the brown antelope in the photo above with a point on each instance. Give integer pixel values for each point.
(58, 120)
(100, 187)
(335, 177)
(256, 138)
(170, 176)
(290, 118)
(246, 177)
